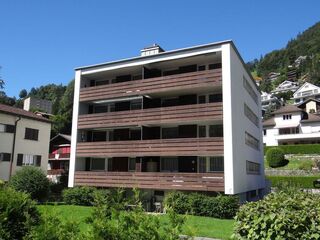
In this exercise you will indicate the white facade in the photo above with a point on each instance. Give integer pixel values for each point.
(286, 86)
(27, 147)
(235, 84)
(268, 99)
(307, 90)
(296, 127)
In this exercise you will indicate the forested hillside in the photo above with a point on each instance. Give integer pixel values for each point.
(306, 44)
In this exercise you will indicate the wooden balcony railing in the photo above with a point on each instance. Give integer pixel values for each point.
(186, 113)
(152, 180)
(158, 147)
(195, 80)
(56, 172)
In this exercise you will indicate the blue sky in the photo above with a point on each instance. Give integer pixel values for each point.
(42, 41)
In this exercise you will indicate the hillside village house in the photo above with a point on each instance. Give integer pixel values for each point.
(24, 140)
(293, 125)
(286, 86)
(306, 91)
(269, 100)
(187, 119)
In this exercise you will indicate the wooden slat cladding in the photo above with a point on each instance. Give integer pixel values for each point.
(158, 147)
(186, 113)
(192, 80)
(152, 180)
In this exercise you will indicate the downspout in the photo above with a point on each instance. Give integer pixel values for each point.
(13, 145)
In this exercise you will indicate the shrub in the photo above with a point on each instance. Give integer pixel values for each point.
(18, 213)
(51, 227)
(305, 165)
(79, 196)
(281, 215)
(275, 158)
(2, 184)
(202, 205)
(295, 181)
(298, 149)
(31, 180)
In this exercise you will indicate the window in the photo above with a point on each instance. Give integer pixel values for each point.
(135, 104)
(264, 132)
(283, 131)
(287, 117)
(215, 98)
(28, 160)
(172, 132)
(31, 134)
(215, 131)
(202, 164)
(251, 116)
(202, 99)
(5, 157)
(216, 164)
(202, 68)
(202, 131)
(215, 66)
(97, 164)
(169, 164)
(99, 136)
(6, 128)
(250, 90)
(253, 168)
(131, 164)
(252, 141)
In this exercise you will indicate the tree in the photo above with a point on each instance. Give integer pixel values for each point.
(23, 93)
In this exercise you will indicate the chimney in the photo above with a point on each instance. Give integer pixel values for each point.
(151, 50)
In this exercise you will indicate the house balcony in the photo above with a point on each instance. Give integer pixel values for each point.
(152, 180)
(193, 82)
(165, 115)
(209, 146)
(59, 156)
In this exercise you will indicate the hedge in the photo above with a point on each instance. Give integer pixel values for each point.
(294, 181)
(297, 149)
(202, 205)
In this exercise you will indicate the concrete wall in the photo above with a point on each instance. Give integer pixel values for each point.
(24, 146)
(236, 152)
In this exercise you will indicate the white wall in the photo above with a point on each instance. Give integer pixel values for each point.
(24, 146)
(269, 139)
(236, 152)
(294, 121)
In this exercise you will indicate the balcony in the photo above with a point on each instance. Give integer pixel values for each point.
(209, 146)
(187, 113)
(152, 180)
(186, 81)
(59, 156)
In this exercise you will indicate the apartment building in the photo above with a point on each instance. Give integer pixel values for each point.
(32, 103)
(306, 91)
(24, 140)
(187, 119)
(293, 125)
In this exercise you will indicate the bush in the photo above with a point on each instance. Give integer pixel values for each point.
(295, 181)
(18, 213)
(202, 205)
(281, 215)
(2, 184)
(31, 180)
(305, 165)
(275, 158)
(79, 196)
(298, 149)
(51, 227)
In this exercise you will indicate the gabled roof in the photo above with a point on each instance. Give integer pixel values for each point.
(288, 109)
(311, 118)
(269, 122)
(308, 100)
(306, 83)
(21, 113)
(67, 137)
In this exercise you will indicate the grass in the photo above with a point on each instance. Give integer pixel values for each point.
(294, 164)
(294, 181)
(201, 226)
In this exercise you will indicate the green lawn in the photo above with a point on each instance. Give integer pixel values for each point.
(201, 226)
(294, 164)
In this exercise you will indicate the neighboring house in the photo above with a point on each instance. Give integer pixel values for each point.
(286, 86)
(186, 119)
(293, 125)
(269, 100)
(306, 91)
(32, 103)
(24, 140)
(272, 76)
(59, 156)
